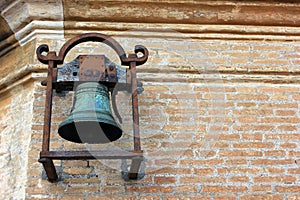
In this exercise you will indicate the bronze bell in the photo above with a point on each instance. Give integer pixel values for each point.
(90, 120)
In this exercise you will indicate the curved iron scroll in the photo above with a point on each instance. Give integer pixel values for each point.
(92, 37)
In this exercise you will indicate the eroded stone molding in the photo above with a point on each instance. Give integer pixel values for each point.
(260, 13)
(22, 12)
(28, 19)
(158, 30)
(267, 20)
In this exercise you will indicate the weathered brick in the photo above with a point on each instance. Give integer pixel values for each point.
(286, 137)
(72, 197)
(285, 112)
(272, 48)
(224, 189)
(257, 145)
(239, 179)
(252, 136)
(112, 190)
(205, 162)
(73, 170)
(275, 179)
(289, 189)
(294, 153)
(253, 128)
(187, 189)
(277, 153)
(164, 180)
(150, 198)
(272, 162)
(257, 97)
(112, 197)
(197, 197)
(203, 171)
(248, 119)
(82, 181)
(168, 170)
(294, 171)
(149, 189)
(280, 120)
(242, 47)
(239, 170)
(272, 170)
(288, 145)
(261, 188)
(221, 137)
(225, 197)
(293, 197)
(201, 180)
(262, 197)
(234, 161)
(287, 128)
(239, 153)
(67, 189)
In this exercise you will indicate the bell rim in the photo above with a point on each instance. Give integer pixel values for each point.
(75, 137)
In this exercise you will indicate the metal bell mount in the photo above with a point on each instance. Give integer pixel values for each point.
(91, 120)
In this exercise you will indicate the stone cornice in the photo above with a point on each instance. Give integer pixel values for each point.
(220, 78)
(231, 32)
(261, 13)
(262, 20)
(21, 17)
(54, 30)
(20, 13)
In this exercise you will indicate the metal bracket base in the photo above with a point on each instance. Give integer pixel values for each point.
(46, 158)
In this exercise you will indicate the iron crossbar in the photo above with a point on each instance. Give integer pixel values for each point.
(89, 155)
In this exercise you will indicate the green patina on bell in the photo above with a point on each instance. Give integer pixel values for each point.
(90, 120)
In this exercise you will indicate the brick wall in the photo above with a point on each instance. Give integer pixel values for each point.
(218, 117)
(219, 120)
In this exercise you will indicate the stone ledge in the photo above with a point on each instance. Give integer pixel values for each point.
(159, 30)
(18, 78)
(266, 20)
(220, 78)
(54, 30)
(257, 13)
(189, 78)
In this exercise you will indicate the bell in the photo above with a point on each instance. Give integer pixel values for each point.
(90, 120)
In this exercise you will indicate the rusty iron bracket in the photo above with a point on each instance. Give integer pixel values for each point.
(102, 73)
(92, 68)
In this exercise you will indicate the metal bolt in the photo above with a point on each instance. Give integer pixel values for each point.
(88, 73)
(111, 67)
(96, 73)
